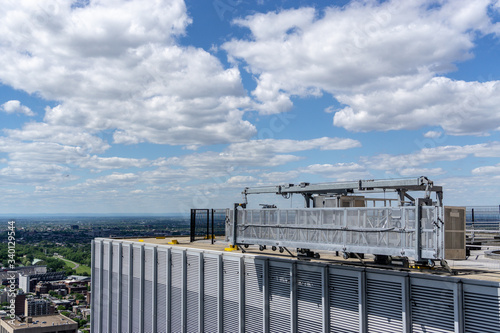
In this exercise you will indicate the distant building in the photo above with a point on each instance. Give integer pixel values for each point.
(38, 307)
(28, 282)
(19, 303)
(7, 274)
(75, 227)
(19, 308)
(39, 324)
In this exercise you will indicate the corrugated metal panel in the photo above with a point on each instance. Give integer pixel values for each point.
(279, 298)
(211, 288)
(105, 287)
(177, 285)
(482, 309)
(193, 290)
(96, 284)
(432, 307)
(384, 303)
(344, 301)
(231, 280)
(254, 296)
(115, 291)
(136, 288)
(148, 289)
(124, 287)
(161, 292)
(309, 300)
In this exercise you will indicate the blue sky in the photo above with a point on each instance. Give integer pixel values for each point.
(161, 106)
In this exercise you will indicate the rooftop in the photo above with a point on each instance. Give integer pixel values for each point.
(477, 266)
(41, 321)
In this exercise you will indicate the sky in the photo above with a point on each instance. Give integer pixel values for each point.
(161, 106)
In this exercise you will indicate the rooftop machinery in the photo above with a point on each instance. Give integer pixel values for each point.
(339, 217)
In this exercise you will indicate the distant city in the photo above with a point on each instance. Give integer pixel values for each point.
(51, 274)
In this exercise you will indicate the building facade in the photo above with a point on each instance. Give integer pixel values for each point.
(141, 287)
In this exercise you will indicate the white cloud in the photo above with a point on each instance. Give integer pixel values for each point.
(261, 153)
(241, 180)
(432, 134)
(493, 170)
(123, 72)
(405, 172)
(381, 60)
(429, 155)
(338, 171)
(459, 107)
(14, 106)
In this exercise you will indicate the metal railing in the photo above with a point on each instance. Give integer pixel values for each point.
(483, 220)
(207, 223)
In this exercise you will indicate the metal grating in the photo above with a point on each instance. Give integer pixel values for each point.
(148, 289)
(344, 300)
(482, 309)
(309, 300)
(432, 309)
(105, 286)
(384, 305)
(96, 283)
(136, 288)
(193, 290)
(124, 288)
(231, 280)
(279, 299)
(254, 297)
(161, 292)
(176, 290)
(115, 293)
(294, 303)
(211, 287)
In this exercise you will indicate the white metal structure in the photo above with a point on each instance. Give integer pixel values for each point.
(142, 288)
(415, 228)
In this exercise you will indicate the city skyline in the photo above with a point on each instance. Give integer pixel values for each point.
(158, 107)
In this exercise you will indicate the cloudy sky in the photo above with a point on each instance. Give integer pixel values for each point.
(118, 106)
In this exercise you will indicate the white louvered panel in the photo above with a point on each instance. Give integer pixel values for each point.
(176, 290)
(211, 289)
(254, 297)
(279, 299)
(384, 306)
(115, 288)
(161, 292)
(136, 288)
(126, 261)
(148, 290)
(96, 285)
(231, 281)
(432, 309)
(105, 287)
(482, 309)
(344, 303)
(192, 297)
(309, 301)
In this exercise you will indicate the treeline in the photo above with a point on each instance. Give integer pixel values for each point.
(26, 253)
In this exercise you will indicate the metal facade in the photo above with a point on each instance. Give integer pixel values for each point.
(139, 287)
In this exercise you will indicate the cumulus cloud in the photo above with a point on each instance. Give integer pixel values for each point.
(338, 171)
(381, 60)
(459, 107)
(14, 106)
(117, 66)
(432, 134)
(430, 155)
(493, 170)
